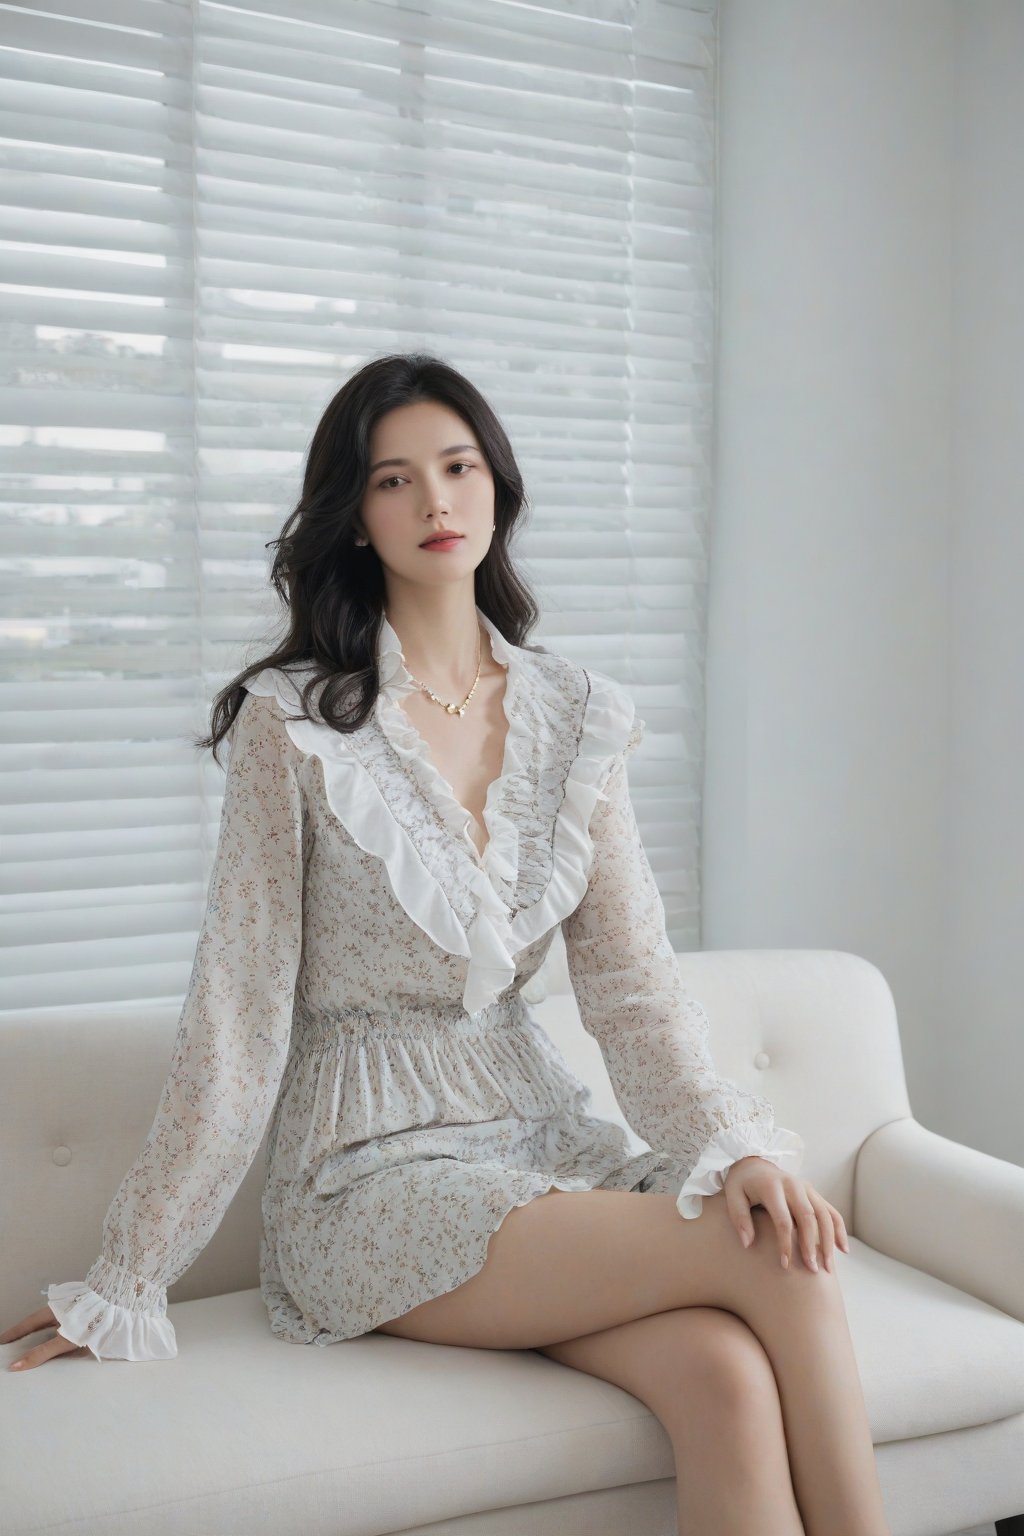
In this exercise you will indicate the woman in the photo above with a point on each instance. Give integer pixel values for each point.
(416, 800)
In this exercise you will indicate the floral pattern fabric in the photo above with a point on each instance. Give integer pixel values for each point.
(357, 992)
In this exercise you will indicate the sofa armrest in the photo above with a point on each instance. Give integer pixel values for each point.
(944, 1208)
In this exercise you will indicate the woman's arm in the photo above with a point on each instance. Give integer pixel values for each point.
(228, 1059)
(653, 1035)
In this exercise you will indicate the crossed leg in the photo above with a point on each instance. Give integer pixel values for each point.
(590, 1261)
(709, 1382)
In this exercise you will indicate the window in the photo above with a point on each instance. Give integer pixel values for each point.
(213, 216)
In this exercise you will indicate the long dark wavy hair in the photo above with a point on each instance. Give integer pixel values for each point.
(334, 589)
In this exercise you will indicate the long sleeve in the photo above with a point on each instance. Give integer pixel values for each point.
(653, 1035)
(228, 1058)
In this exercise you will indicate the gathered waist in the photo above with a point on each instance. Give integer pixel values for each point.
(317, 1024)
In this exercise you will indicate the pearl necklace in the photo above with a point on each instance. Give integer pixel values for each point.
(457, 709)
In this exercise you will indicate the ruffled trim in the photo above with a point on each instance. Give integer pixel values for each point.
(610, 726)
(785, 1149)
(361, 808)
(110, 1331)
(490, 943)
(636, 735)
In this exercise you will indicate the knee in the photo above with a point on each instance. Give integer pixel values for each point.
(722, 1369)
(730, 1357)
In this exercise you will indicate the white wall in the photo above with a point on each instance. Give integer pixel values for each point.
(864, 727)
(982, 1054)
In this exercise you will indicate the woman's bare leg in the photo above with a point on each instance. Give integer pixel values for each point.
(558, 1268)
(823, 1407)
(709, 1381)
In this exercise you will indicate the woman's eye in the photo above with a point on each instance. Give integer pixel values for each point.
(459, 464)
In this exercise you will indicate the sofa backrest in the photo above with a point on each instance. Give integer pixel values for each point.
(813, 1030)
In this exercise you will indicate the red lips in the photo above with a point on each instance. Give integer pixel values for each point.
(439, 538)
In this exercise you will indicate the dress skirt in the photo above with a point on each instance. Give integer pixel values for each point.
(398, 1145)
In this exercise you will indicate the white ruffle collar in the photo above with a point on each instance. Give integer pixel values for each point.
(566, 724)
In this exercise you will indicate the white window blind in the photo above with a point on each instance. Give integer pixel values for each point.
(213, 215)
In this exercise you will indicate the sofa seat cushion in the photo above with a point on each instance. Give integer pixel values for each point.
(245, 1433)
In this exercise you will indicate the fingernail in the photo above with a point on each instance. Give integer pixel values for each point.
(814, 1264)
(785, 1261)
(745, 1239)
(15, 1367)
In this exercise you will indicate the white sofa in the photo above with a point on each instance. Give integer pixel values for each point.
(245, 1433)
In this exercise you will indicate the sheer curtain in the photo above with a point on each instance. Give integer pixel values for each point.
(213, 216)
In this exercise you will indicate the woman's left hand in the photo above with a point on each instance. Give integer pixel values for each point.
(756, 1181)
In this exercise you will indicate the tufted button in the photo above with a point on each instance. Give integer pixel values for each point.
(762, 1060)
(62, 1156)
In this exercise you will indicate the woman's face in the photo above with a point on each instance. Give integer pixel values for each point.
(443, 483)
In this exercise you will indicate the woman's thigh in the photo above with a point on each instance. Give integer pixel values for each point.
(686, 1364)
(558, 1268)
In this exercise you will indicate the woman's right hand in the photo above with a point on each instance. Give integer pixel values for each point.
(39, 1353)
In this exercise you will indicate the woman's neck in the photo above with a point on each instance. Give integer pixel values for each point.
(442, 648)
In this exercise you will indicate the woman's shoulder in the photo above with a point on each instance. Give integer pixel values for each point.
(604, 709)
(283, 684)
(284, 693)
(579, 679)
(549, 664)
(264, 723)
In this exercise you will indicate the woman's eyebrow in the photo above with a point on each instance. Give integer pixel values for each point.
(458, 448)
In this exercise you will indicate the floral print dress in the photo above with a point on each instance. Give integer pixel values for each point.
(357, 988)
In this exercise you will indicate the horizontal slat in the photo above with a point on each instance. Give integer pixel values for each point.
(92, 872)
(116, 981)
(159, 43)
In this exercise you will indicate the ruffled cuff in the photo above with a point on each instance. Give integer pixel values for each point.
(785, 1149)
(110, 1331)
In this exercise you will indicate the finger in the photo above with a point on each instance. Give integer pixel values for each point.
(840, 1226)
(43, 1318)
(777, 1206)
(738, 1207)
(826, 1232)
(58, 1345)
(805, 1223)
(807, 1229)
